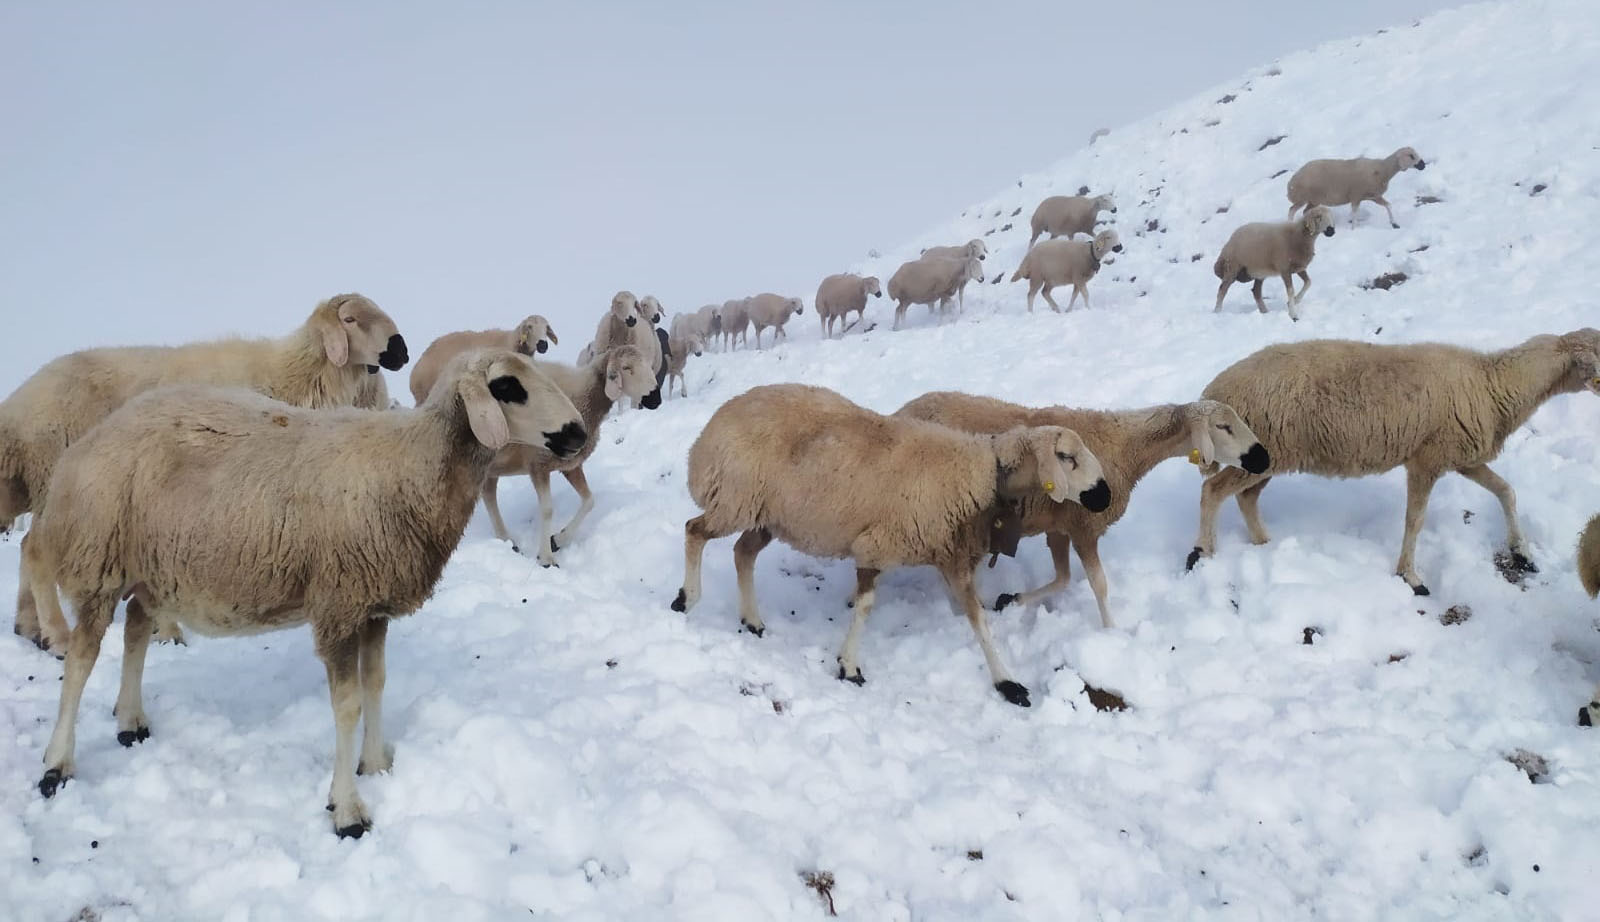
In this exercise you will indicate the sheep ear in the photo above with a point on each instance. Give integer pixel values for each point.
(1200, 436)
(484, 415)
(335, 342)
(550, 331)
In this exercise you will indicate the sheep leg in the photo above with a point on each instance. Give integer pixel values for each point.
(1089, 555)
(376, 756)
(1306, 283)
(1385, 203)
(580, 484)
(27, 623)
(1355, 208)
(342, 657)
(83, 648)
(1226, 483)
(758, 337)
(1033, 292)
(1222, 292)
(861, 605)
(745, 550)
(696, 532)
(1590, 713)
(1288, 287)
(545, 547)
(1419, 484)
(899, 314)
(1060, 553)
(132, 726)
(1294, 208)
(1049, 300)
(1494, 483)
(490, 492)
(1255, 292)
(963, 584)
(1249, 500)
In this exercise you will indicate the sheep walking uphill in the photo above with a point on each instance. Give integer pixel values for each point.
(735, 322)
(621, 372)
(1268, 248)
(331, 360)
(1341, 408)
(930, 281)
(1350, 182)
(1065, 262)
(532, 336)
(768, 465)
(683, 343)
(974, 248)
(1128, 444)
(236, 514)
(770, 310)
(1589, 574)
(1066, 215)
(841, 295)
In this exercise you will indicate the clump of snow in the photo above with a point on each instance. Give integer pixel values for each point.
(567, 747)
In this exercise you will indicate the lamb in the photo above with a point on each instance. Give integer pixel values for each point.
(1350, 182)
(1589, 573)
(1264, 248)
(1065, 262)
(1128, 443)
(1066, 215)
(735, 316)
(533, 335)
(237, 514)
(621, 372)
(1341, 408)
(840, 294)
(682, 344)
(930, 282)
(919, 493)
(770, 310)
(974, 248)
(331, 360)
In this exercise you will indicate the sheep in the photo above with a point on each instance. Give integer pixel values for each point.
(1128, 444)
(1257, 250)
(615, 327)
(1066, 215)
(331, 360)
(930, 282)
(1350, 182)
(840, 294)
(631, 322)
(622, 371)
(1589, 574)
(237, 514)
(706, 322)
(1341, 408)
(533, 335)
(735, 321)
(974, 248)
(1065, 262)
(682, 344)
(767, 465)
(770, 310)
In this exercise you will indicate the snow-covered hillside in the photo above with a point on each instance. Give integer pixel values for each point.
(569, 748)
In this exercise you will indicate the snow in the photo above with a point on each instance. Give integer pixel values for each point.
(568, 748)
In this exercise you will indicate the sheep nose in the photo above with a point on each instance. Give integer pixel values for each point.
(877, 294)
(1327, 231)
(1256, 460)
(1113, 211)
(631, 321)
(1422, 164)
(651, 400)
(543, 347)
(395, 356)
(1097, 498)
(1117, 248)
(566, 441)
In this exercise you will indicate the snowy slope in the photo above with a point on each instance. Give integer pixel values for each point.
(567, 747)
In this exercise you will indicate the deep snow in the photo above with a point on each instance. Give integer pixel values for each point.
(567, 747)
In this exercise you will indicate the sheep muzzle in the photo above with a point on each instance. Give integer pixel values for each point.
(394, 357)
(1327, 231)
(1097, 498)
(631, 321)
(542, 347)
(1422, 164)
(566, 441)
(1256, 460)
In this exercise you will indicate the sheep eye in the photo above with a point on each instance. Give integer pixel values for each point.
(1226, 428)
(349, 320)
(612, 376)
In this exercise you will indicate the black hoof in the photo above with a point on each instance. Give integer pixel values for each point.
(1191, 560)
(515, 549)
(680, 603)
(553, 545)
(758, 631)
(1522, 564)
(1420, 589)
(353, 831)
(551, 564)
(1583, 716)
(128, 737)
(858, 678)
(52, 780)
(1004, 599)
(1014, 692)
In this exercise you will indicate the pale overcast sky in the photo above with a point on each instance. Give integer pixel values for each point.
(172, 171)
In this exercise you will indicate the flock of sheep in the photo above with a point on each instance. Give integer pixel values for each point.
(240, 486)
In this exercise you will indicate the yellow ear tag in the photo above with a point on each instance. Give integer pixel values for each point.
(1194, 456)
(1049, 486)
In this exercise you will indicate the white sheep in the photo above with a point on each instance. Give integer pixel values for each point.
(974, 248)
(1128, 444)
(681, 345)
(533, 336)
(932, 282)
(770, 310)
(768, 465)
(1272, 248)
(237, 514)
(705, 322)
(1341, 408)
(735, 321)
(1065, 262)
(840, 295)
(1066, 215)
(1350, 182)
(620, 372)
(331, 360)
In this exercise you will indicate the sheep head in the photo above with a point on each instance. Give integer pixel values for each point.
(1052, 460)
(1317, 220)
(1582, 348)
(534, 334)
(1217, 434)
(628, 374)
(625, 307)
(872, 286)
(354, 329)
(509, 400)
(1405, 158)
